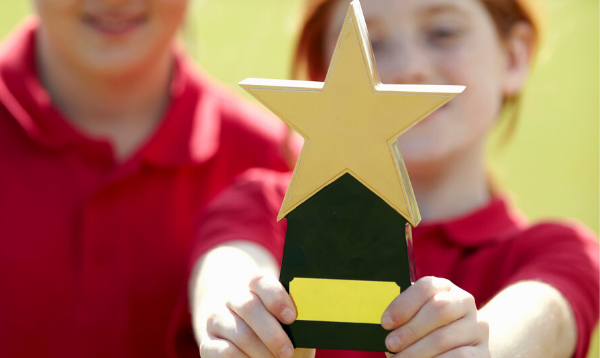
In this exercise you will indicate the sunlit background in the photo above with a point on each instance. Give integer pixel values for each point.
(549, 168)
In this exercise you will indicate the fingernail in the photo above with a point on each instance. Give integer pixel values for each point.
(393, 343)
(386, 322)
(288, 315)
(286, 352)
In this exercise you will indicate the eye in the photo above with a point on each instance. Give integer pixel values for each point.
(444, 35)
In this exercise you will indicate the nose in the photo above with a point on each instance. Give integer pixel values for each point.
(405, 63)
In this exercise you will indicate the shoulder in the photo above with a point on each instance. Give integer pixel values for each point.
(246, 210)
(236, 113)
(569, 235)
(256, 191)
(557, 252)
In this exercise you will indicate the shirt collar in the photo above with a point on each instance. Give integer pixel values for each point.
(496, 221)
(187, 135)
(190, 129)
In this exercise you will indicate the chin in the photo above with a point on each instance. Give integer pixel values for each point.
(116, 64)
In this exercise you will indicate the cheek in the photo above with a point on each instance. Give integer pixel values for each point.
(466, 121)
(479, 69)
(59, 18)
(169, 15)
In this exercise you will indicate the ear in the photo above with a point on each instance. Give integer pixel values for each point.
(519, 54)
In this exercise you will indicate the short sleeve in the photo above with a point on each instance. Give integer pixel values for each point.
(247, 210)
(565, 257)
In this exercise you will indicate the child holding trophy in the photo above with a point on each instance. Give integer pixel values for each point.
(489, 284)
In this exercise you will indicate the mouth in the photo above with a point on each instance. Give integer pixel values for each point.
(114, 24)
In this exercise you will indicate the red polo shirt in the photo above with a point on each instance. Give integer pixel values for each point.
(482, 252)
(93, 253)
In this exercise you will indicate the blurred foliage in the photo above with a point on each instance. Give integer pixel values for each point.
(550, 167)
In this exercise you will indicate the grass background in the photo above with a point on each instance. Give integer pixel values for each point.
(550, 168)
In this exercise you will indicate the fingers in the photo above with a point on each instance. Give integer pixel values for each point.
(274, 297)
(251, 308)
(465, 332)
(213, 347)
(435, 318)
(248, 325)
(406, 305)
(229, 327)
(444, 308)
(467, 352)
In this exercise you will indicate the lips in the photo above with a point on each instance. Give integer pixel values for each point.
(114, 24)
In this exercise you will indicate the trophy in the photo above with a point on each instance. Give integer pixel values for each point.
(350, 205)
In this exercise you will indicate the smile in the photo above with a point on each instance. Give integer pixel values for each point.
(114, 24)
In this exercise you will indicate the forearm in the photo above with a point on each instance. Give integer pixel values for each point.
(222, 270)
(530, 319)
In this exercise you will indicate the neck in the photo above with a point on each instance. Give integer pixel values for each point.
(452, 188)
(122, 108)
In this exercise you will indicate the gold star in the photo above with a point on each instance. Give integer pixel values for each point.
(350, 122)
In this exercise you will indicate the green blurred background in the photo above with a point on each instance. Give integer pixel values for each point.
(550, 166)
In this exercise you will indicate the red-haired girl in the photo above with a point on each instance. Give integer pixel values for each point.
(490, 283)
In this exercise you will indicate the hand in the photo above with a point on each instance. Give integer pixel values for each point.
(247, 325)
(435, 318)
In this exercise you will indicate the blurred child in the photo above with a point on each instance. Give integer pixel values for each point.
(490, 284)
(110, 144)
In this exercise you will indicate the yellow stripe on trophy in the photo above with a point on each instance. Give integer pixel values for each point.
(347, 301)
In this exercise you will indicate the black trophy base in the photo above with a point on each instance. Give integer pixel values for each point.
(344, 232)
(337, 335)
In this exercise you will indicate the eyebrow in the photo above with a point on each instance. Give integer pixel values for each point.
(443, 8)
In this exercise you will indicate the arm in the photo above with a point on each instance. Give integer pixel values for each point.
(530, 319)
(236, 302)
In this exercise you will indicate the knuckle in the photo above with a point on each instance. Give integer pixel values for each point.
(443, 308)
(272, 295)
(484, 328)
(470, 300)
(244, 335)
(443, 340)
(277, 299)
(442, 283)
(204, 350)
(250, 304)
(276, 341)
(430, 285)
(212, 322)
(426, 283)
(256, 279)
(407, 334)
(227, 353)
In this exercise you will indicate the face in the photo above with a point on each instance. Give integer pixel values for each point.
(110, 36)
(443, 42)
